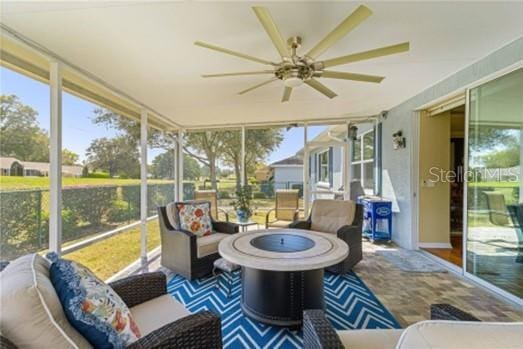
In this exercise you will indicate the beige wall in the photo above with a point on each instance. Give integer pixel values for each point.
(434, 199)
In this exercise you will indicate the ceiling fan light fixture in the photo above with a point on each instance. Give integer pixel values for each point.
(293, 81)
(295, 69)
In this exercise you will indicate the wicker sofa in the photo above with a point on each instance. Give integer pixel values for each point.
(449, 328)
(185, 253)
(32, 316)
(343, 218)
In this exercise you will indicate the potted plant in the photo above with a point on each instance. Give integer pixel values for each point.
(242, 204)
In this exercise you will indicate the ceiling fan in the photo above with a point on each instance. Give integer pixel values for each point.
(294, 70)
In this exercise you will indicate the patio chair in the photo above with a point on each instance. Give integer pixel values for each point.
(498, 214)
(33, 317)
(449, 327)
(343, 218)
(212, 197)
(356, 190)
(516, 213)
(186, 253)
(286, 210)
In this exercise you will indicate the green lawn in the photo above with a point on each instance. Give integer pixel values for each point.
(495, 184)
(105, 258)
(12, 182)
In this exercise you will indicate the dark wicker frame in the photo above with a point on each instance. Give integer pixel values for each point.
(179, 248)
(445, 311)
(351, 234)
(6, 343)
(200, 330)
(318, 332)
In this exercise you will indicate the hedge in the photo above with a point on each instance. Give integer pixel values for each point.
(20, 223)
(24, 214)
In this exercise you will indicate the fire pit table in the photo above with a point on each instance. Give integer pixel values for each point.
(282, 271)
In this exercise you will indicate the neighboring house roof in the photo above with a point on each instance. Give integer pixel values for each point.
(43, 167)
(295, 160)
(7, 162)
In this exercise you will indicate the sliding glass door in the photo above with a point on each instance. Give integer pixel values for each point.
(494, 248)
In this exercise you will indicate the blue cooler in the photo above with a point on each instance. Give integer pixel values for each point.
(377, 218)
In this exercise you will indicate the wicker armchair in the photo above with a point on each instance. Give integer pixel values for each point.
(318, 332)
(199, 330)
(324, 216)
(286, 209)
(163, 322)
(212, 197)
(187, 254)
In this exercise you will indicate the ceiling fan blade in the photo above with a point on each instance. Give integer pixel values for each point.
(264, 16)
(256, 86)
(349, 23)
(232, 53)
(238, 74)
(351, 76)
(360, 56)
(286, 94)
(318, 86)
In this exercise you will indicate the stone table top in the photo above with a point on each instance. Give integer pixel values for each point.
(327, 250)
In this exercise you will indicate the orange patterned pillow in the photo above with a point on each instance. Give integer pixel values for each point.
(195, 217)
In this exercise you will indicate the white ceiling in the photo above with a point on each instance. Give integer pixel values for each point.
(146, 50)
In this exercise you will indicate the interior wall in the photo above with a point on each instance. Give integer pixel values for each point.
(434, 191)
(397, 164)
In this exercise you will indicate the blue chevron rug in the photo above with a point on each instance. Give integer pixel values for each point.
(349, 305)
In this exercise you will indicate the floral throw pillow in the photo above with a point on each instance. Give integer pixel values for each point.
(91, 306)
(195, 217)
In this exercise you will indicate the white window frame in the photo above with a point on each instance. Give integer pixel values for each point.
(319, 167)
(362, 161)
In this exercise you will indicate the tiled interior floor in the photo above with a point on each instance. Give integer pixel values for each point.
(409, 295)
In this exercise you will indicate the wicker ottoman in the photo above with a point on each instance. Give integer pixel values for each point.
(226, 268)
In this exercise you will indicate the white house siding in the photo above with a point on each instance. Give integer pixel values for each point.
(337, 168)
(286, 174)
(397, 163)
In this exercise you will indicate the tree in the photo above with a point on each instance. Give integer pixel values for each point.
(205, 147)
(162, 166)
(191, 169)
(507, 157)
(130, 128)
(259, 143)
(69, 157)
(20, 133)
(117, 156)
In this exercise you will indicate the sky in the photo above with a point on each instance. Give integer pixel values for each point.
(78, 130)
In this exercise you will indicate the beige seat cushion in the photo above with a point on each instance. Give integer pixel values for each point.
(31, 315)
(207, 245)
(280, 224)
(330, 215)
(157, 312)
(461, 334)
(369, 339)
